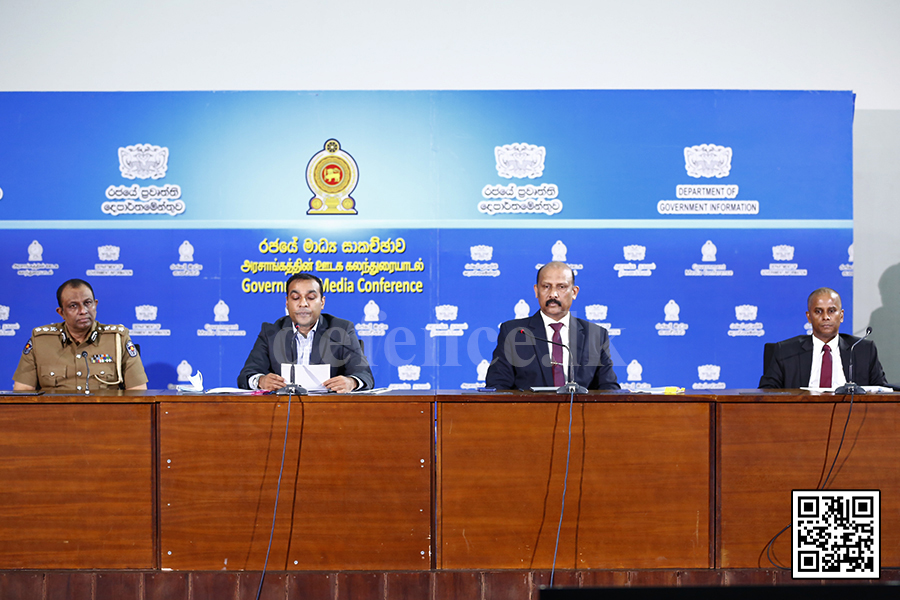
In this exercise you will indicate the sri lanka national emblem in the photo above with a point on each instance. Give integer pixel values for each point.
(332, 175)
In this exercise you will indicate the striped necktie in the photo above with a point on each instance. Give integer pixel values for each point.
(559, 378)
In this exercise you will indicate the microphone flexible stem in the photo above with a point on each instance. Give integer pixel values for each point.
(868, 331)
(571, 386)
(570, 373)
(850, 387)
(87, 369)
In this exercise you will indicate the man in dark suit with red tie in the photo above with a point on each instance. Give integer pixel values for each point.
(822, 359)
(522, 360)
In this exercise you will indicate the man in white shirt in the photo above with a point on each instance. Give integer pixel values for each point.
(822, 360)
(307, 336)
(524, 359)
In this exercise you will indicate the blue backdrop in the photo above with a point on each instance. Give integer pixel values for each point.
(697, 222)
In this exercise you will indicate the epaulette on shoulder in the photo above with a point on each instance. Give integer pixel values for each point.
(52, 329)
(112, 328)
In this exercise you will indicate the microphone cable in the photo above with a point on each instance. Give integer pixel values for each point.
(287, 423)
(822, 484)
(843, 435)
(562, 509)
(849, 410)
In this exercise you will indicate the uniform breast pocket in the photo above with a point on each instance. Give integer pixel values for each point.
(51, 377)
(105, 376)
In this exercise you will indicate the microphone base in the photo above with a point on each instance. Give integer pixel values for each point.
(292, 389)
(572, 388)
(850, 388)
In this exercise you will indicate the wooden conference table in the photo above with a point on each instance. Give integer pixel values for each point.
(415, 481)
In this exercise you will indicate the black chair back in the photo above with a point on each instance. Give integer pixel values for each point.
(768, 353)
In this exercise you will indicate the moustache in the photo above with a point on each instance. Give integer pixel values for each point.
(552, 301)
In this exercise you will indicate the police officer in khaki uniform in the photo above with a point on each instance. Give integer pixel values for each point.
(79, 354)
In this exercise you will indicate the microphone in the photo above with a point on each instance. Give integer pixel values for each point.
(87, 368)
(850, 387)
(292, 388)
(571, 386)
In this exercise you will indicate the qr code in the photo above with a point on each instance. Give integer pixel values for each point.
(836, 534)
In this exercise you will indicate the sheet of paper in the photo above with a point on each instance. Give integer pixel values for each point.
(878, 389)
(311, 377)
(229, 390)
(195, 385)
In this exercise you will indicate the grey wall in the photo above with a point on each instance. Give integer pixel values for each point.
(876, 237)
(502, 44)
(453, 44)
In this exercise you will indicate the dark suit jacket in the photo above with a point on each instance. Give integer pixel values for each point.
(791, 363)
(521, 362)
(335, 344)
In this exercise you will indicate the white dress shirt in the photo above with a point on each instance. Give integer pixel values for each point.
(303, 345)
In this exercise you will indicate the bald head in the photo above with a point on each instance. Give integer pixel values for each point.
(556, 265)
(827, 292)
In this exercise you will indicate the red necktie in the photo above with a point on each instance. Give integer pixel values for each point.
(825, 376)
(559, 378)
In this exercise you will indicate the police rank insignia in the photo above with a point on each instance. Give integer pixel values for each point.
(27, 349)
(101, 358)
(332, 175)
(132, 351)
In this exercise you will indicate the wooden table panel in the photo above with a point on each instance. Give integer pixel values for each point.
(76, 486)
(355, 494)
(78, 480)
(638, 493)
(766, 451)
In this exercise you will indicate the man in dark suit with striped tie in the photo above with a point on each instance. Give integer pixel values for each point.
(522, 360)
